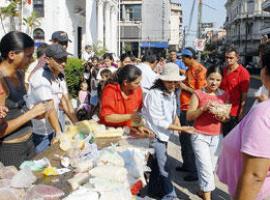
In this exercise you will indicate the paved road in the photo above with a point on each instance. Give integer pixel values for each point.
(187, 190)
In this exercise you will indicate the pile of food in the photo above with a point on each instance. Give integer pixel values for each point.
(86, 131)
(220, 110)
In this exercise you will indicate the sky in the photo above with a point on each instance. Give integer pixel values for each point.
(216, 16)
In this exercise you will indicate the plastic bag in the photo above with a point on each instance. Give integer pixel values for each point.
(110, 157)
(44, 192)
(7, 194)
(5, 183)
(83, 193)
(11, 194)
(83, 166)
(103, 184)
(219, 109)
(36, 165)
(119, 194)
(134, 162)
(23, 179)
(114, 173)
(8, 172)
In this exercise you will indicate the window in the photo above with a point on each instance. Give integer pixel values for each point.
(38, 6)
(133, 12)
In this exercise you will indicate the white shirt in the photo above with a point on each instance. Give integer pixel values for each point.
(148, 77)
(159, 111)
(86, 56)
(43, 89)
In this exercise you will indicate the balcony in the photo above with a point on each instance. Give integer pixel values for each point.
(266, 5)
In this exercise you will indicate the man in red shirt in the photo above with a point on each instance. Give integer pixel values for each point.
(236, 82)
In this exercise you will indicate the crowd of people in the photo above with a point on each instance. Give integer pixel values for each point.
(154, 97)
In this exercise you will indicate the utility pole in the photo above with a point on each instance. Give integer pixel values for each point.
(199, 19)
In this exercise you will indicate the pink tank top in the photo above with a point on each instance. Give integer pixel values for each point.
(206, 123)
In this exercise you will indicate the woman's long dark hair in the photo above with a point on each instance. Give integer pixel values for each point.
(15, 41)
(159, 84)
(127, 73)
(215, 68)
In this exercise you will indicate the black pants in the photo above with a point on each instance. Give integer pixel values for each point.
(229, 125)
(16, 153)
(186, 147)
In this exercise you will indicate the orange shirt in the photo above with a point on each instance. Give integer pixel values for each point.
(196, 79)
(113, 102)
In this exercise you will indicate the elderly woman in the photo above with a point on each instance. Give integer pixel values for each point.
(244, 164)
(16, 139)
(159, 111)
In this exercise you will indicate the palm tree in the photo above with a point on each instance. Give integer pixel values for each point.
(32, 22)
(12, 10)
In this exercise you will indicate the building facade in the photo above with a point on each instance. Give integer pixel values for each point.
(176, 25)
(244, 24)
(266, 26)
(85, 21)
(150, 26)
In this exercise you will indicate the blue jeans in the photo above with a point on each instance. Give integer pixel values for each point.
(206, 150)
(160, 148)
(42, 142)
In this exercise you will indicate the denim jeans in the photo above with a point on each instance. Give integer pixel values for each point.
(42, 142)
(186, 147)
(160, 148)
(206, 149)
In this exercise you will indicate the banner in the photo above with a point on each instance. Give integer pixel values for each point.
(199, 44)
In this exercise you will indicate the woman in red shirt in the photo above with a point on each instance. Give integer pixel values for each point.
(122, 98)
(207, 123)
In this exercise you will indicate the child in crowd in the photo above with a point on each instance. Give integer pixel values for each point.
(105, 74)
(84, 96)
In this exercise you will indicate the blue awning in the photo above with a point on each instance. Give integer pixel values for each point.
(154, 45)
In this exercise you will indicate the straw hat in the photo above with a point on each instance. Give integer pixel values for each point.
(171, 73)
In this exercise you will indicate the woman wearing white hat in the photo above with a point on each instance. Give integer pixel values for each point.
(159, 111)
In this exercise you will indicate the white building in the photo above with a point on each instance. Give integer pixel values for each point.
(244, 24)
(150, 26)
(176, 25)
(266, 26)
(85, 21)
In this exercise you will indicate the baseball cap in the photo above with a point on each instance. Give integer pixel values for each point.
(186, 52)
(60, 36)
(56, 51)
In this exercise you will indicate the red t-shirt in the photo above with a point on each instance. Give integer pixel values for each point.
(206, 122)
(235, 83)
(113, 102)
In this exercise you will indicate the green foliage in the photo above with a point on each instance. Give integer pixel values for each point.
(11, 10)
(32, 21)
(73, 73)
(99, 49)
